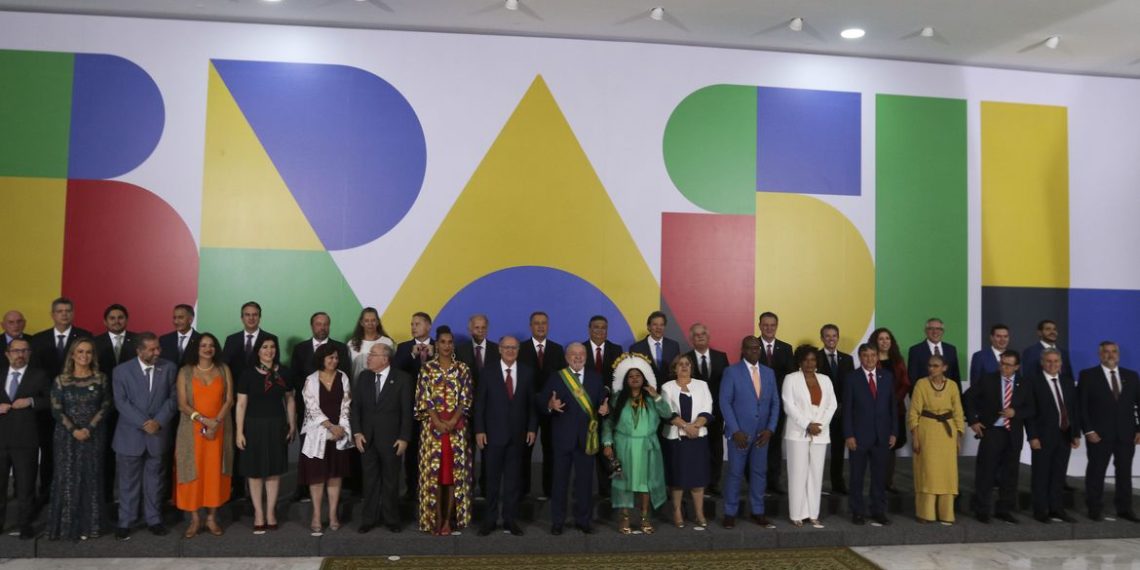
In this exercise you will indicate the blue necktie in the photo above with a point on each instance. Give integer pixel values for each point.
(659, 355)
(13, 387)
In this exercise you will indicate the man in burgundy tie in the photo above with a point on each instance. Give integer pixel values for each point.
(546, 357)
(505, 424)
(1053, 433)
(600, 357)
(777, 355)
(1109, 398)
(996, 405)
(870, 428)
(478, 353)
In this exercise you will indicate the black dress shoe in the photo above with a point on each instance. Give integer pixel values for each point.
(514, 528)
(364, 528)
(1063, 517)
(27, 532)
(1006, 517)
(158, 530)
(983, 518)
(1128, 516)
(556, 530)
(122, 533)
(486, 529)
(858, 520)
(1096, 516)
(395, 528)
(1043, 519)
(892, 490)
(586, 529)
(728, 522)
(881, 519)
(762, 521)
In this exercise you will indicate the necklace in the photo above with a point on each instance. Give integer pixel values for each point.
(934, 385)
(199, 367)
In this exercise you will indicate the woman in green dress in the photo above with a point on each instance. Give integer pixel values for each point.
(630, 434)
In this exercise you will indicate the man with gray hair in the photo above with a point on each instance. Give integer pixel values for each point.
(381, 422)
(918, 357)
(1053, 432)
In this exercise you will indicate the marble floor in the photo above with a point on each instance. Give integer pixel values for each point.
(1060, 555)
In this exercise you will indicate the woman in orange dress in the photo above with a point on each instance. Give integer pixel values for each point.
(204, 447)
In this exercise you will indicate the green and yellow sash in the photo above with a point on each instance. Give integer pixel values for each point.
(583, 399)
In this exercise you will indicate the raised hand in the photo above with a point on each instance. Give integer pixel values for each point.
(555, 405)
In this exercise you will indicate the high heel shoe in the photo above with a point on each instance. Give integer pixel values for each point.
(623, 524)
(192, 530)
(646, 525)
(678, 520)
(214, 528)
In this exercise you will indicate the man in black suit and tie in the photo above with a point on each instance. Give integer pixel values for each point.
(1053, 432)
(600, 357)
(478, 351)
(174, 343)
(1047, 334)
(870, 428)
(48, 351)
(505, 424)
(836, 365)
(545, 357)
(709, 365)
(302, 365)
(777, 355)
(381, 421)
(1109, 397)
(410, 356)
(13, 324)
(996, 407)
(113, 348)
(240, 349)
(24, 393)
(576, 435)
(659, 350)
(918, 357)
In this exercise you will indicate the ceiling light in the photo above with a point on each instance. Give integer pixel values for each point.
(852, 33)
(511, 4)
(657, 13)
(927, 32)
(797, 24)
(1053, 42)
(274, 1)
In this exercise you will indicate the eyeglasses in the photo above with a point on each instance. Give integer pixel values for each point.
(501, 347)
(19, 350)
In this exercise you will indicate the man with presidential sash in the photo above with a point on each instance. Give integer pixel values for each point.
(575, 400)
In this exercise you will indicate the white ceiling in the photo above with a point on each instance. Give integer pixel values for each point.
(1100, 37)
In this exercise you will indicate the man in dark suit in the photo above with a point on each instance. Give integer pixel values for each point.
(709, 365)
(240, 349)
(144, 394)
(410, 356)
(659, 350)
(918, 357)
(870, 427)
(113, 348)
(174, 343)
(1053, 432)
(302, 365)
(13, 324)
(1109, 397)
(1047, 334)
(600, 357)
(24, 393)
(777, 355)
(837, 366)
(505, 424)
(988, 359)
(996, 407)
(575, 434)
(381, 421)
(545, 357)
(478, 351)
(48, 351)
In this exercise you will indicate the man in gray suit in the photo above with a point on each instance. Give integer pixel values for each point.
(145, 400)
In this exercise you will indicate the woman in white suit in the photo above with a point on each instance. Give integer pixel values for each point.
(809, 401)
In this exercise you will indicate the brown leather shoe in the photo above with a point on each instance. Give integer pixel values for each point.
(762, 521)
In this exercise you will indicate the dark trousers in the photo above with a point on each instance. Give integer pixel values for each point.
(999, 458)
(381, 474)
(547, 459)
(582, 465)
(46, 430)
(110, 421)
(1049, 465)
(716, 453)
(1099, 455)
(412, 463)
(837, 449)
(21, 461)
(603, 473)
(876, 455)
(141, 479)
(776, 454)
(504, 470)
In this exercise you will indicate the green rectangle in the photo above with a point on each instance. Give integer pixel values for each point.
(35, 113)
(921, 218)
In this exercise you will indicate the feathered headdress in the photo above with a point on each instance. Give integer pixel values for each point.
(632, 360)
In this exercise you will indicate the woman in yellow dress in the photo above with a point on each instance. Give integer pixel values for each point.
(443, 402)
(936, 422)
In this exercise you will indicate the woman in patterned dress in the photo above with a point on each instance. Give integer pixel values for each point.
(443, 402)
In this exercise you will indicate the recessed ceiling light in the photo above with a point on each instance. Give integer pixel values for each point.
(657, 13)
(797, 24)
(273, 1)
(1053, 42)
(852, 33)
(927, 32)
(511, 4)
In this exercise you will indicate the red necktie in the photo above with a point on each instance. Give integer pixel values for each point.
(871, 384)
(598, 359)
(541, 354)
(510, 386)
(1007, 398)
(769, 350)
(1115, 386)
(479, 357)
(1061, 406)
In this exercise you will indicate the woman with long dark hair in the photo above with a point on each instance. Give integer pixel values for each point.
(369, 331)
(890, 359)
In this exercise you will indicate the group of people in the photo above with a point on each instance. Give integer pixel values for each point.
(123, 414)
